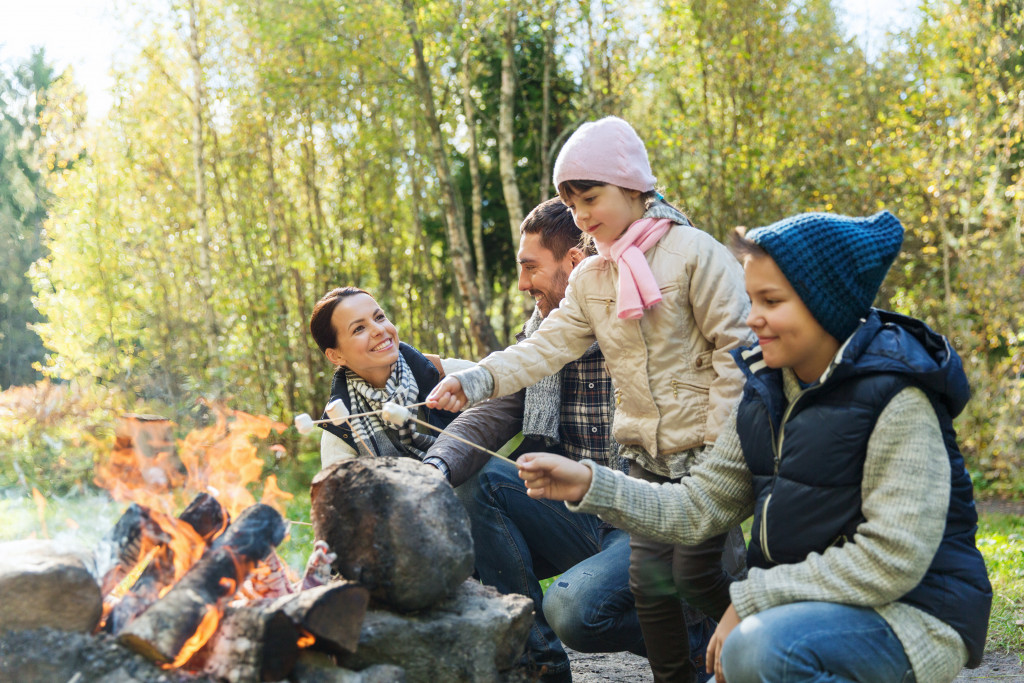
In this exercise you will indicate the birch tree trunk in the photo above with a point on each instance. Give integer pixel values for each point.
(480, 325)
(477, 222)
(506, 117)
(199, 172)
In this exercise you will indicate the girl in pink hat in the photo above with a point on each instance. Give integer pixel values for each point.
(666, 303)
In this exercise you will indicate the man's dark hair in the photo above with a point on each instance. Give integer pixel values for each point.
(553, 222)
(320, 324)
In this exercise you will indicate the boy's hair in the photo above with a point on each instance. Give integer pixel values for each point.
(742, 246)
(553, 222)
(320, 325)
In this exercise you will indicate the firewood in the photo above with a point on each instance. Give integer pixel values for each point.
(206, 517)
(332, 613)
(251, 644)
(122, 547)
(162, 631)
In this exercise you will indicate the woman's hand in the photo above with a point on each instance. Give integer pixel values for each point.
(729, 621)
(551, 476)
(448, 395)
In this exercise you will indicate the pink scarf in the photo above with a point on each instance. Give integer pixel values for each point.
(637, 287)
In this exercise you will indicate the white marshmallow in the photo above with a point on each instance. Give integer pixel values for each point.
(395, 414)
(337, 411)
(304, 423)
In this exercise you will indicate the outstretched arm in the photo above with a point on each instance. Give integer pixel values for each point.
(554, 477)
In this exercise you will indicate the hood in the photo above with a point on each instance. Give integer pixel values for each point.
(890, 342)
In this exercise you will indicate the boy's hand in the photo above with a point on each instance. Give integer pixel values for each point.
(448, 395)
(551, 476)
(729, 621)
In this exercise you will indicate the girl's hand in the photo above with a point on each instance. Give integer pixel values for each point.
(551, 476)
(448, 395)
(729, 621)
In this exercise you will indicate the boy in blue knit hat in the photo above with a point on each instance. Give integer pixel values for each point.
(863, 564)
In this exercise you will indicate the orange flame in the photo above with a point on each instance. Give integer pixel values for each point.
(207, 627)
(221, 459)
(306, 639)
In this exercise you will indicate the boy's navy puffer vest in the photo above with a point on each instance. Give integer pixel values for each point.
(427, 377)
(807, 460)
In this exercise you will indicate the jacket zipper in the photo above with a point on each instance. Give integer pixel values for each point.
(777, 448)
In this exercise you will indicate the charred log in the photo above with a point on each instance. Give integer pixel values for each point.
(333, 614)
(206, 517)
(123, 546)
(251, 644)
(185, 612)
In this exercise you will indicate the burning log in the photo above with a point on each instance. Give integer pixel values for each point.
(333, 613)
(178, 624)
(135, 533)
(251, 644)
(206, 517)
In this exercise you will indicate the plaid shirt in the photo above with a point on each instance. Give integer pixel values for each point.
(586, 414)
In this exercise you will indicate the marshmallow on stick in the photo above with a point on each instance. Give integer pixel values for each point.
(395, 414)
(304, 423)
(337, 411)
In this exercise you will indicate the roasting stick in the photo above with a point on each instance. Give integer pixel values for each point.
(391, 412)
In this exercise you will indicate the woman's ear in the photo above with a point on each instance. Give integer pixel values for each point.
(334, 355)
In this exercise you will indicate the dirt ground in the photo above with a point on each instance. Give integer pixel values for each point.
(628, 668)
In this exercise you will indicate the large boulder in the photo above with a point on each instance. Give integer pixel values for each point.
(396, 527)
(45, 585)
(475, 636)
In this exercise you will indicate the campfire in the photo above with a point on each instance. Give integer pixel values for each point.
(191, 581)
(205, 590)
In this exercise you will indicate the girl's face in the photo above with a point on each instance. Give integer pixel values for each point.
(605, 211)
(367, 342)
(789, 335)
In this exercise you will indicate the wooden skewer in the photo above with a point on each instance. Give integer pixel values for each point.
(457, 438)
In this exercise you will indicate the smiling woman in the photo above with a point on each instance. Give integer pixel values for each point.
(373, 368)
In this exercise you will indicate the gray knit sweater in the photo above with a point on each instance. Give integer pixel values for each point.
(905, 495)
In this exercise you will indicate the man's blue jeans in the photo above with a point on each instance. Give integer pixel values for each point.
(519, 540)
(815, 641)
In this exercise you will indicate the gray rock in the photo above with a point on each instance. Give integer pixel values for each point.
(475, 636)
(397, 528)
(46, 586)
(317, 667)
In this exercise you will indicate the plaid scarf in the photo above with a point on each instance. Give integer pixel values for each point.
(371, 431)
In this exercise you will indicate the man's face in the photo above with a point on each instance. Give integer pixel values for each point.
(541, 274)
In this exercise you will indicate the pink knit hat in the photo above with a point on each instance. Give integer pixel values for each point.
(608, 151)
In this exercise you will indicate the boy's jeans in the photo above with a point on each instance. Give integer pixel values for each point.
(815, 641)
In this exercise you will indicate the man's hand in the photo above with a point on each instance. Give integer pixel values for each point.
(729, 621)
(448, 395)
(551, 476)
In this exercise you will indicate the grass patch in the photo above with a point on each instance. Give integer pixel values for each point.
(1001, 541)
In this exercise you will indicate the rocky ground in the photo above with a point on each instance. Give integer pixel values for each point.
(628, 668)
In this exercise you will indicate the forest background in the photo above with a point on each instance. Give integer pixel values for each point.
(165, 258)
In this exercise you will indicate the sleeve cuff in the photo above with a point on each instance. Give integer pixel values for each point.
(441, 465)
(601, 493)
(477, 383)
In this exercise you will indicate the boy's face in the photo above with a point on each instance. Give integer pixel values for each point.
(789, 335)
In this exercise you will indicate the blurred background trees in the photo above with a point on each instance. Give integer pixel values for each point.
(260, 153)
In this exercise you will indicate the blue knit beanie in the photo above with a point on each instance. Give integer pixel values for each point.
(835, 263)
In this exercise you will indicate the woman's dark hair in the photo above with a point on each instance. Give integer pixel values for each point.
(742, 246)
(320, 325)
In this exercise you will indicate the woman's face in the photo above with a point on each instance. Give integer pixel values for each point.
(367, 342)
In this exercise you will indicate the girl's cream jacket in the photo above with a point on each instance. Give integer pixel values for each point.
(675, 382)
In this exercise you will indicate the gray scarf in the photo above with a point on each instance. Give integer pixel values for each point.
(542, 407)
(371, 431)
